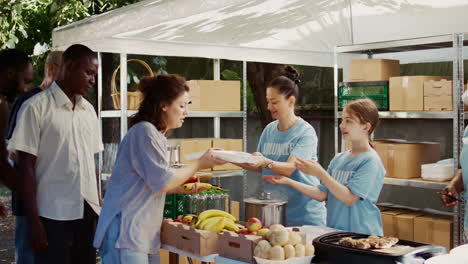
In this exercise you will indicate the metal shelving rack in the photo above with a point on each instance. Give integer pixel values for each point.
(123, 114)
(456, 42)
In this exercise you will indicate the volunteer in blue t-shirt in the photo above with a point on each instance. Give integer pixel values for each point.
(459, 183)
(354, 179)
(283, 141)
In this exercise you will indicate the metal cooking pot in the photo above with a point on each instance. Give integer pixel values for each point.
(267, 210)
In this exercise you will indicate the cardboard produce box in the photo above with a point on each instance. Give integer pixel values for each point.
(227, 144)
(405, 225)
(438, 103)
(238, 246)
(403, 159)
(434, 229)
(373, 70)
(406, 93)
(389, 221)
(183, 237)
(438, 88)
(209, 95)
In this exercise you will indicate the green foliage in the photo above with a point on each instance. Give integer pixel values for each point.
(26, 23)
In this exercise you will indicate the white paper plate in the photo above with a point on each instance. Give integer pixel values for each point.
(446, 259)
(229, 156)
(302, 260)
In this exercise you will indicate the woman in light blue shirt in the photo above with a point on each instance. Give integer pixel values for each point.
(283, 141)
(129, 225)
(354, 179)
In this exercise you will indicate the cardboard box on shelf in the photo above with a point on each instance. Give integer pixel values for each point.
(406, 93)
(209, 95)
(405, 225)
(438, 88)
(192, 145)
(227, 144)
(434, 229)
(438, 103)
(373, 70)
(237, 246)
(183, 237)
(403, 159)
(389, 221)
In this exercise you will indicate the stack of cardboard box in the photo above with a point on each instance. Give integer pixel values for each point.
(407, 92)
(403, 159)
(438, 95)
(418, 226)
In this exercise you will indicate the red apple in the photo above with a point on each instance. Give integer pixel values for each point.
(254, 224)
(192, 179)
(243, 231)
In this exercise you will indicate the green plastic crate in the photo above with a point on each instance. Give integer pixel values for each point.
(381, 101)
(174, 205)
(377, 91)
(363, 89)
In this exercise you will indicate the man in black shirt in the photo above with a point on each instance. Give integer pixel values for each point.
(24, 254)
(16, 72)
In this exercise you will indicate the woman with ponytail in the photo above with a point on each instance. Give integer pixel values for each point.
(352, 183)
(282, 142)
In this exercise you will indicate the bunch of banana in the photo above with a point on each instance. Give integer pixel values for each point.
(206, 186)
(216, 221)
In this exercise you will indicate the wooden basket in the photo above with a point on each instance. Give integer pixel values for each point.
(133, 98)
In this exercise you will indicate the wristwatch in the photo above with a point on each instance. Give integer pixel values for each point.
(269, 165)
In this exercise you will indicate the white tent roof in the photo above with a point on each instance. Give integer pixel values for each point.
(283, 31)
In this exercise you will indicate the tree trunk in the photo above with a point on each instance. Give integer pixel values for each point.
(259, 75)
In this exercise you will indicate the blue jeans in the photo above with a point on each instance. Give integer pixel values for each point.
(112, 255)
(23, 253)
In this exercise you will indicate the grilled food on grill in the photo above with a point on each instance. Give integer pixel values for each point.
(368, 243)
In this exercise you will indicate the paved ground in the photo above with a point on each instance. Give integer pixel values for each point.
(7, 231)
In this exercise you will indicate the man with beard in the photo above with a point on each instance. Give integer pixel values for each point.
(16, 73)
(56, 136)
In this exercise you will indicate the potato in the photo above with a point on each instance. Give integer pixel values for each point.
(279, 238)
(289, 251)
(262, 250)
(276, 253)
(294, 238)
(300, 250)
(309, 250)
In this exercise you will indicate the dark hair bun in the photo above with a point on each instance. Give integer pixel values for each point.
(292, 74)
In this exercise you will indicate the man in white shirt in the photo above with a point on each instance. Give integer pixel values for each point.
(56, 137)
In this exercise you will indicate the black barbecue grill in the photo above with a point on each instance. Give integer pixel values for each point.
(328, 251)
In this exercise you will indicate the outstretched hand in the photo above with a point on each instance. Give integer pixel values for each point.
(276, 179)
(310, 167)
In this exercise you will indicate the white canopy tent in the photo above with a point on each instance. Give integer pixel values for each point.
(282, 31)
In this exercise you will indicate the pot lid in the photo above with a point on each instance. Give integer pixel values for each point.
(254, 200)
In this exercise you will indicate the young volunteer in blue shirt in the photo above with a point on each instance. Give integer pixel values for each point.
(282, 142)
(354, 179)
